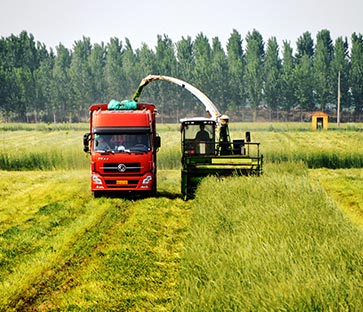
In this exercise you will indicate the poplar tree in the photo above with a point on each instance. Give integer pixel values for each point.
(340, 69)
(236, 71)
(146, 61)
(23, 59)
(254, 69)
(81, 79)
(97, 62)
(185, 67)
(146, 65)
(26, 91)
(287, 78)
(129, 75)
(165, 56)
(356, 73)
(219, 89)
(322, 70)
(166, 64)
(43, 83)
(61, 85)
(303, 72)
(304, 46)
(185, 58)
(304, 83)
(272, 74)
(113, 69)
(203, 59)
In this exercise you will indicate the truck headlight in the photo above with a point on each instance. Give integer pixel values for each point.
(147, 180)
(96, 179)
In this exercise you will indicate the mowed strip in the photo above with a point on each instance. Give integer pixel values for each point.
(39, 225)
(23, 193)
(62, 249)
(134, 265)
(345, 187)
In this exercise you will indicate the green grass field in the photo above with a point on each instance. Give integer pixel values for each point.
(290, 240)
(277, 243)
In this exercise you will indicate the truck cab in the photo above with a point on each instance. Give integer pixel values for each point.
(122, 144)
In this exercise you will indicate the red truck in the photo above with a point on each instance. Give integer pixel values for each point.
(123, 144)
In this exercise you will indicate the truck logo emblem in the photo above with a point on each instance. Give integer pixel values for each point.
(121, 168)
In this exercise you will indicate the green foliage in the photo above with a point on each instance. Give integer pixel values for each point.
(219, 92)
(304, 82)
(322, 63)
(305, 46)
(340, 65)
(39, 85)
(254, 69)
(81, 78)
(273, 81)
(113, 69)
(61, 85)
(236, 70)
(129, 71)
(287, 78)
(165, 62)
(356, 71)
(97, 67)
(203, 57)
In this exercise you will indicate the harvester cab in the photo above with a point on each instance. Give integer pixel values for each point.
(198, 136)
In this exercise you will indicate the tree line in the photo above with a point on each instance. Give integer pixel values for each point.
(39, 84)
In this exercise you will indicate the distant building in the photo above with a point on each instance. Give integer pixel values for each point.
(319, 121)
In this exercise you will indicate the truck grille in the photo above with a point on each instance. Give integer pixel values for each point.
(121, 167)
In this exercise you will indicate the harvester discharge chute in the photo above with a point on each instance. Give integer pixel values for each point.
(203, 153)
(210, 107)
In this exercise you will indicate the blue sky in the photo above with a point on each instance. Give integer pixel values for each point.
(52, 22)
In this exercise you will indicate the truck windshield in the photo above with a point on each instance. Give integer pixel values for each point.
(118, 143)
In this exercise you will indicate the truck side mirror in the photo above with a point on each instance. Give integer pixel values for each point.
(157, 141)
(86, 138)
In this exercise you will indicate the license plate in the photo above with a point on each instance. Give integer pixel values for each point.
(121, 182)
